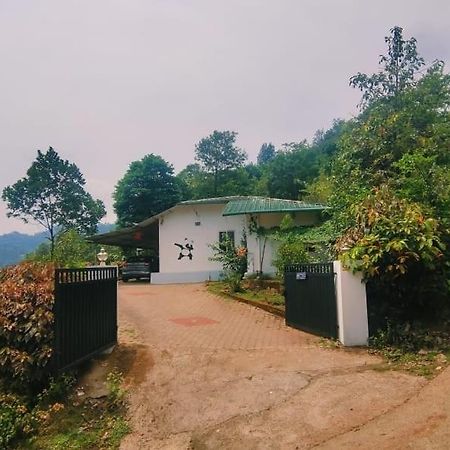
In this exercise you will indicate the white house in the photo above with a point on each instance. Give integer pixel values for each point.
(183, 234)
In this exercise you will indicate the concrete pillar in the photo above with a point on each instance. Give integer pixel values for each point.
(351, 307)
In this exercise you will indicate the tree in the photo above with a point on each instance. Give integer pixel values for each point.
(72, 250)
(266, 154)
(390, 183)
(195, 182)
(401, 139)
(53, 195)
(291, 170)
(147, 188)
(218, 153)
(400, 67)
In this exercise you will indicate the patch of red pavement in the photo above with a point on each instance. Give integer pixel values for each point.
(193, 321)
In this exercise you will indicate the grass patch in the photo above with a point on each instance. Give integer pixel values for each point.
(420, 350)
(83, 423)
(268, 295)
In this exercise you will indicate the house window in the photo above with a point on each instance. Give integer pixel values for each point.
(226, 237)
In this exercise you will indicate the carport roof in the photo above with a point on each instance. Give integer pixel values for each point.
(137, 236)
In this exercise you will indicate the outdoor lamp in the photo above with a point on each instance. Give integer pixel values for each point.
(102, 256)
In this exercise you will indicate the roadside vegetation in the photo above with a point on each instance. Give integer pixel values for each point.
(37, 410)
(83, 423)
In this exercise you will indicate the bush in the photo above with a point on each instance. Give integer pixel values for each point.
(21, 416)
(400, 252)
(12, 413)
(26, 319)
(234, 262)
(290, 251)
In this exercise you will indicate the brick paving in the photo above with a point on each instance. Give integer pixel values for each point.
(218, 374)
(189, 317)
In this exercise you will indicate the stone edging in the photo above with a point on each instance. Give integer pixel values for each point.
(269, 308)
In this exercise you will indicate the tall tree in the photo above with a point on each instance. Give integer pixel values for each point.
(403, 143)
(147, 188)
(399, 69)
(218, 153)
(53, 195)
(391, 183)
(266, 153)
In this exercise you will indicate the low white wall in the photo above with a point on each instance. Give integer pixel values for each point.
(351, 307)
(185, 277)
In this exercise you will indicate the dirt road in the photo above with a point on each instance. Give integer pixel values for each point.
(210, 373)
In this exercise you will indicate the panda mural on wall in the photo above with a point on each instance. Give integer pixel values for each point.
(186, 249)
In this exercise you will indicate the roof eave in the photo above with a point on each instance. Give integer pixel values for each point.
(287, 210)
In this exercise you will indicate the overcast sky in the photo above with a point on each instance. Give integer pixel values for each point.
(106, 82)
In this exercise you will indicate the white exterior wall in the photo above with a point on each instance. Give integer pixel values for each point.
(179, 226)
(351, 307)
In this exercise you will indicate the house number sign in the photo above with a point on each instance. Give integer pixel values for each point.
(300, 276)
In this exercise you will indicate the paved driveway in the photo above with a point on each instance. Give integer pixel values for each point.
(211, 373)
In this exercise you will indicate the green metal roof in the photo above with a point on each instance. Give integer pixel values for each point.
(212, 201)
(256, 205)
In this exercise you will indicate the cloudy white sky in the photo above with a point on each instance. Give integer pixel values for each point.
(107, 81)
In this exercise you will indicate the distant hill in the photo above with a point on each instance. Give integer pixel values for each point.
(14, 246)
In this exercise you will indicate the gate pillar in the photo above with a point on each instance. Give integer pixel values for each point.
(353, 327)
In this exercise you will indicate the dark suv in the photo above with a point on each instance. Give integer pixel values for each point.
(136, 267)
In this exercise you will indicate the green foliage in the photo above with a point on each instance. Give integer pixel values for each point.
(301, 244)
(291, 250)
(26, 318)
(73, 251)
(389, 236)
(61, 419)
(22, 416)
(290, 171)
(197, 183)
(53, 195)
(266, 154)
(401, 139)
(147, 188)
(294, 168)
(233, 260)
(412, 347)
(400, 66)
(12, 418)
(218, 153)
(116, 393)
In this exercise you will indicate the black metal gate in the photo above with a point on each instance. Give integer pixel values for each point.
(85, 313)
(310, 298)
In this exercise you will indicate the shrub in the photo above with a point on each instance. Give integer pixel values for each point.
(26, 318)
(12, 413)
(234, 262)
(390, 236)
(399, 250)
(291, 250)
